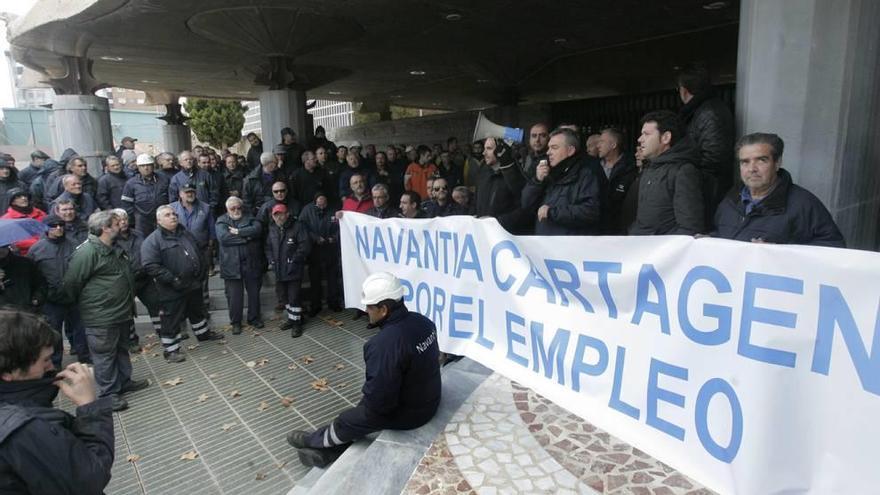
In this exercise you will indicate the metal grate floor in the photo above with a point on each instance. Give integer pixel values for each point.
(240, 439)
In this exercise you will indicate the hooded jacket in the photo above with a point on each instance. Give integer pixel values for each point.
(670, 195)
(788, 215)
(52, 257)
(46, 450)
(8, 184)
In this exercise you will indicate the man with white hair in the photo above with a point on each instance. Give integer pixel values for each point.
(171, 256)
(84, 203)
(258, 183)
(207, 189)
(402, 387)
(241, 262)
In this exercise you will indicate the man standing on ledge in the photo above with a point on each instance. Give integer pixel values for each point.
(402, 387)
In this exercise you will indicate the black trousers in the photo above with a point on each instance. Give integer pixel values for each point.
(357, 422)
(235, 289)
(288, 293)
(148, 293)
(190, 306)
(324, 265)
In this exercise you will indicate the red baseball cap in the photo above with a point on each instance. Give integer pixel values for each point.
(279, 209)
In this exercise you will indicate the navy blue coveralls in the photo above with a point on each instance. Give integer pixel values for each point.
(402, 387)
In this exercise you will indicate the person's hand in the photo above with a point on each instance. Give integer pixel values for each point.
(542, 171)
(543, 212)
(233, 230)
(503, 153)
(78, 383)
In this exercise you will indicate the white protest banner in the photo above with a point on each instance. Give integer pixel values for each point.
(751, 368)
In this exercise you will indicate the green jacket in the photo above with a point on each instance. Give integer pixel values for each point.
(100, 281)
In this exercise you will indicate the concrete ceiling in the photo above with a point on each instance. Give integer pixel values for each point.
(452, 54)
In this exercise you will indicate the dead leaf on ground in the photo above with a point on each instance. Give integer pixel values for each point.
(340, 366)
(281, 464)
(134, 359)
(189, 456)
(262, 362)
(263, 406)
(221, 341)
(308, 360)
(321, 385)
(228, 426)
(133, 458)
(250, 364)
(332, 321)
(292, 366)
(224, 352)
(256, 333)
(260, 477)
(155, 354)
(202, 398)
(287, 401)
(341, 385)
(213, 375)
(172, 383)
(192, 347)
(234, 394)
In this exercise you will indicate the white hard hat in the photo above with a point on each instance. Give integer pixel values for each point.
(379, 287)
(145, 159)
(355, 144)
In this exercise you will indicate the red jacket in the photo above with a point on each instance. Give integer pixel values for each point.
(38, 215)
(352, 204)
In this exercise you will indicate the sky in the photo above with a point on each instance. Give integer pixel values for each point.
(17, 7)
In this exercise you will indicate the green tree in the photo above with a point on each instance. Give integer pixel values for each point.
(216, 122)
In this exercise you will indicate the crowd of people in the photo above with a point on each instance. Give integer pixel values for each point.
(156, 228)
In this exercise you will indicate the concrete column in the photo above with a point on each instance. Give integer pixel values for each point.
(82, 122)
(280, 108)
(176, 138)
(808, 71)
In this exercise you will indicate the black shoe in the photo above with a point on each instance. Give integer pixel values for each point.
(209, 335)
(320, 458)
(174, 357)
(184, 336)
(119, 404)
(236, 329)
(314, 311)
(297, 438)
(287, 325)
(134, 386)
(358, 314)
(297, 331)
(257, 324)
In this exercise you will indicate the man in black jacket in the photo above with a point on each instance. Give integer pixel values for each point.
(323, 228)
(143, 194)
(670, 198)
(44, 449)
(241, 262)
(499, 187)
(52, 256)
(402, 387)
(564, 192)
(110, 185)
(710, 125)
(287, 249)
(257, 188)
(172, 257)
(769, 207)
(621, 171)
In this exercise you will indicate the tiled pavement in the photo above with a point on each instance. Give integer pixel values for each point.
(239, 437)
(507, 439)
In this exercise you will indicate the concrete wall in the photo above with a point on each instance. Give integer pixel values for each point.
(808, 71)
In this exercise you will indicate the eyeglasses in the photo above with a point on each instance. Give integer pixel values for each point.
(441, 188)
(57, 225)
(233, 208)
(279, 191)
